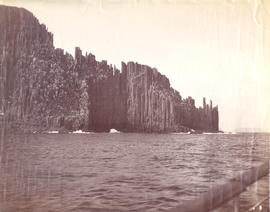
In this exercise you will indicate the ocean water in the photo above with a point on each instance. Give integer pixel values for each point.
(119, 172)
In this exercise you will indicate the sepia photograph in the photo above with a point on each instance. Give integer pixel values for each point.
(134, 105)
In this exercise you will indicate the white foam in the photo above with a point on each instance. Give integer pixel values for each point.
(223, 133)
(77, 132)
(233, 133)
(80, 132)
(53, 132)
(181, 133)
(114, 131)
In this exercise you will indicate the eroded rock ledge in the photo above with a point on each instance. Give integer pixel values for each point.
(48, 88)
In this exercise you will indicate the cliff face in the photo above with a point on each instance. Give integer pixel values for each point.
(48, 88)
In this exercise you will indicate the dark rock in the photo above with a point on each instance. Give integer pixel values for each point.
(49, 88)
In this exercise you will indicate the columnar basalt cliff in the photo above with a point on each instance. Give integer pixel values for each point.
(49, 88)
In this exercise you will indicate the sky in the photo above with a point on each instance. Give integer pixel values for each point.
(218, 49)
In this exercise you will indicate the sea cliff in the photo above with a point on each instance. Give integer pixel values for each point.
(47, 88)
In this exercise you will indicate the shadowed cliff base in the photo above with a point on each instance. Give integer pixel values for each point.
(47, 88)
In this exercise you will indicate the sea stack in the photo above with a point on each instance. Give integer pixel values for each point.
(49, 88)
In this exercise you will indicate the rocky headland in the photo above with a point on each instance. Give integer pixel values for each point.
(46, 88)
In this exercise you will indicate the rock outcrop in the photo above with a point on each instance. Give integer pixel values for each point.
(48, 88)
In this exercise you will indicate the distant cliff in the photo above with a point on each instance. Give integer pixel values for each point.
(48, 88)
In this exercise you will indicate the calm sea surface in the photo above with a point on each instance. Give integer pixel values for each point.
(119, 172)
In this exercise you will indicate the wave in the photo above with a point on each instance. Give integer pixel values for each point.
(114, 131)
(181, 133)
(53, 132)
(80, 132)
(222, 133)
